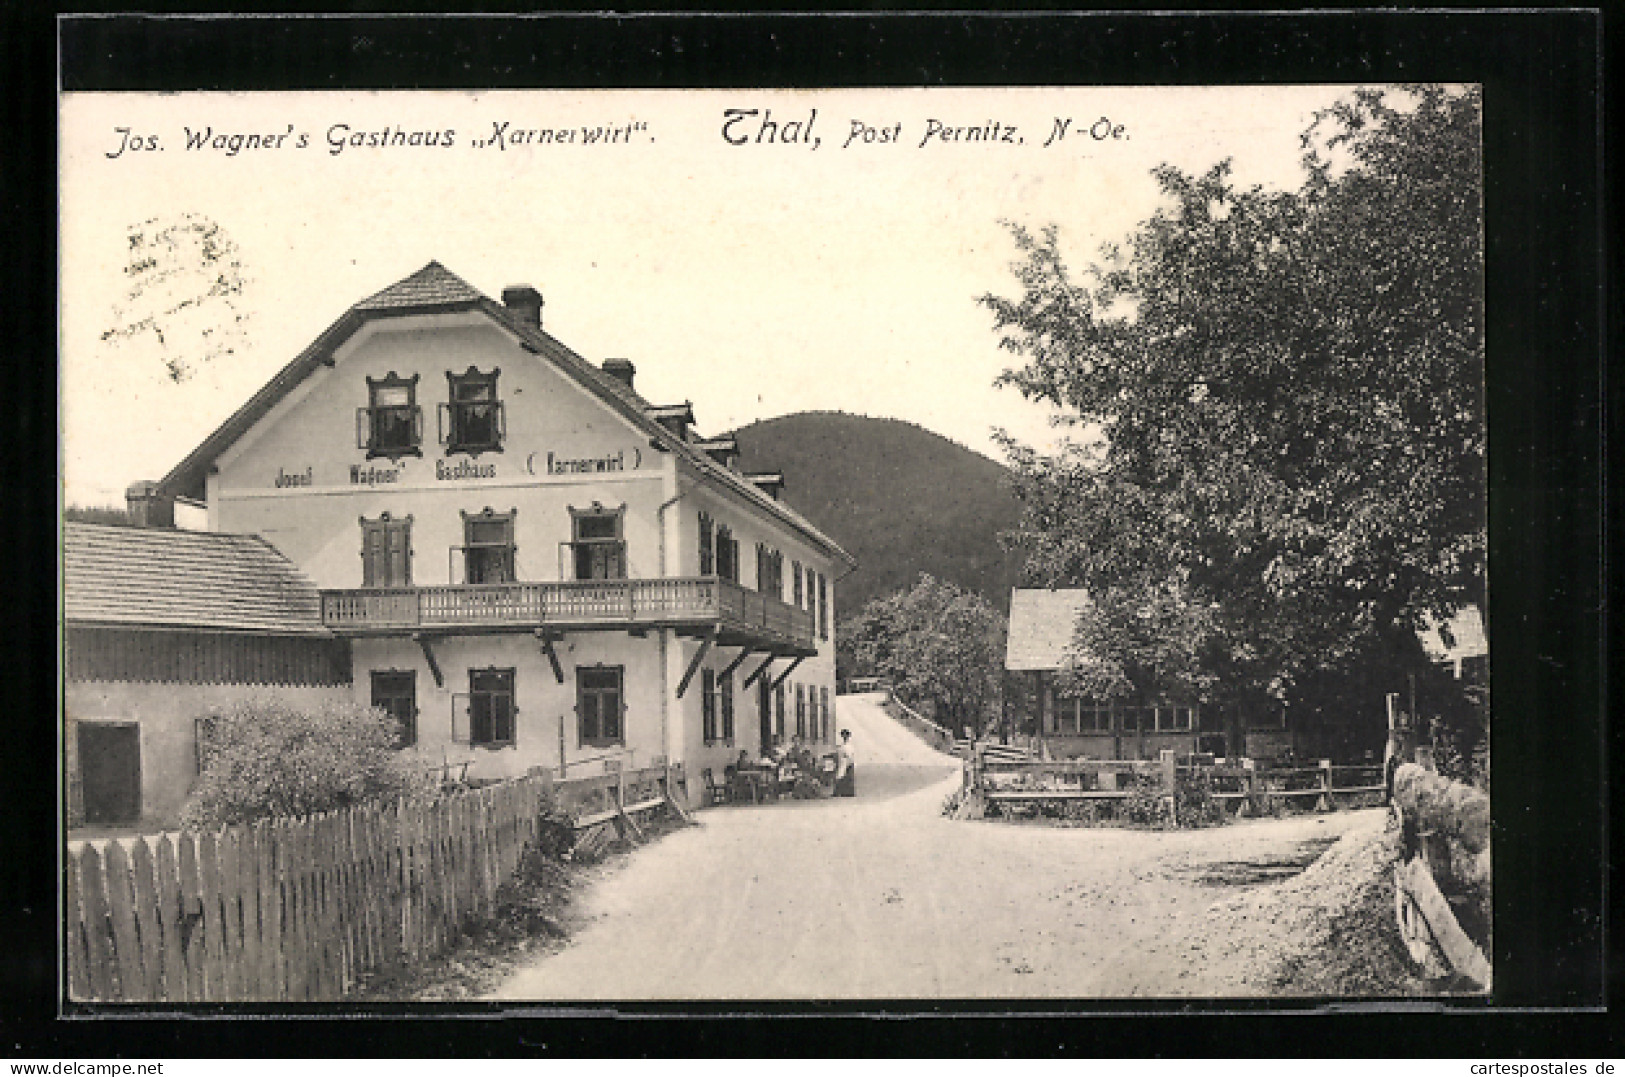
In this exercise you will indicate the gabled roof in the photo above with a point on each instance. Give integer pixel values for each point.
(434, 288)
(1042, 623)
(141, 577)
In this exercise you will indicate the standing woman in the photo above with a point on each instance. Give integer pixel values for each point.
(845, 776)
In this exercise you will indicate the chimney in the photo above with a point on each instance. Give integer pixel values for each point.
(524, 301)
(621, 370)
(148, 506)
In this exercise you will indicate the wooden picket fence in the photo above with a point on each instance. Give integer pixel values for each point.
(289, 910)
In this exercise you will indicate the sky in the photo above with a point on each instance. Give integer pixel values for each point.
(749, 274)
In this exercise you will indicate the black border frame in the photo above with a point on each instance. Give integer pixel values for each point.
(1546, 218)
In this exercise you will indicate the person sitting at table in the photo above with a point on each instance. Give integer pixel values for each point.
(805, 761)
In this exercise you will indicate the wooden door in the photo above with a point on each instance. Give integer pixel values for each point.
(110, 772)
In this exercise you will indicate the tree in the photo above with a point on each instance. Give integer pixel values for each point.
(1286, 392)
(1148, 642)
(941, 647)
(99, 514)
(264, 759)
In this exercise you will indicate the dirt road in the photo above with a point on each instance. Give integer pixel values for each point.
(882, 897)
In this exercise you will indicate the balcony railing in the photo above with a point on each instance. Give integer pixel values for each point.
(690, 601)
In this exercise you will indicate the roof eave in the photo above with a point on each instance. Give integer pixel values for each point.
(193, 627)
(188, 479)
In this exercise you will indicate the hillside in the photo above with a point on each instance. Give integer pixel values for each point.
(899, 498)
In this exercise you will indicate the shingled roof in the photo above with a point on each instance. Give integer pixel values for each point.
(1041, 627)
(163, 578)
(433, 286)
(436, 288)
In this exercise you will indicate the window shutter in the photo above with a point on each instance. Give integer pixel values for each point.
(371, 537)
(398, 536)
(620, 705)
(460, 704)
(363, 430)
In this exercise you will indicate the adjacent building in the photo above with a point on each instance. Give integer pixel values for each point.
(1039, 647)
(530, 564)
(161, 627)
(1458, 646)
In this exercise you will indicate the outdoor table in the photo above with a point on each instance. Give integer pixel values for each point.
(759, 780)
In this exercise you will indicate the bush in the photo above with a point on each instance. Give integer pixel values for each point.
(1143, 806)
(1082, 812)
(265, 759)
(555, 831)
(1194, 802)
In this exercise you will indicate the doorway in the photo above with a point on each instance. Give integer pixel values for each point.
(110, 772)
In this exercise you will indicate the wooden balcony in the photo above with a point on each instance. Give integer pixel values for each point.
(696, 604)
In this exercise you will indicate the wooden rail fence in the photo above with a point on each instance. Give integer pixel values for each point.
(606, 806)
(991, 779)
(1443, 872)
(918, 724)
(294, 910)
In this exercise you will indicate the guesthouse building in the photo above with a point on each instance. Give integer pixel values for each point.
(531, 564)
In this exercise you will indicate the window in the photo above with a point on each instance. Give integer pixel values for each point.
(599, 705)
(823, 607)
(1094, 718)
(823, 708)
(708, 557)
(396, 694)
(386, 551)
(472, 421)
(801, 711)
(391, 424)
(727, 553)
(778, 712)
(769, 571)
(1273, 719)
(1173, 719)
(490, 707)
(717, 706)
(708, 704)
(599, 552)
(488, 549)
(1074, 716)
(795, 576)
